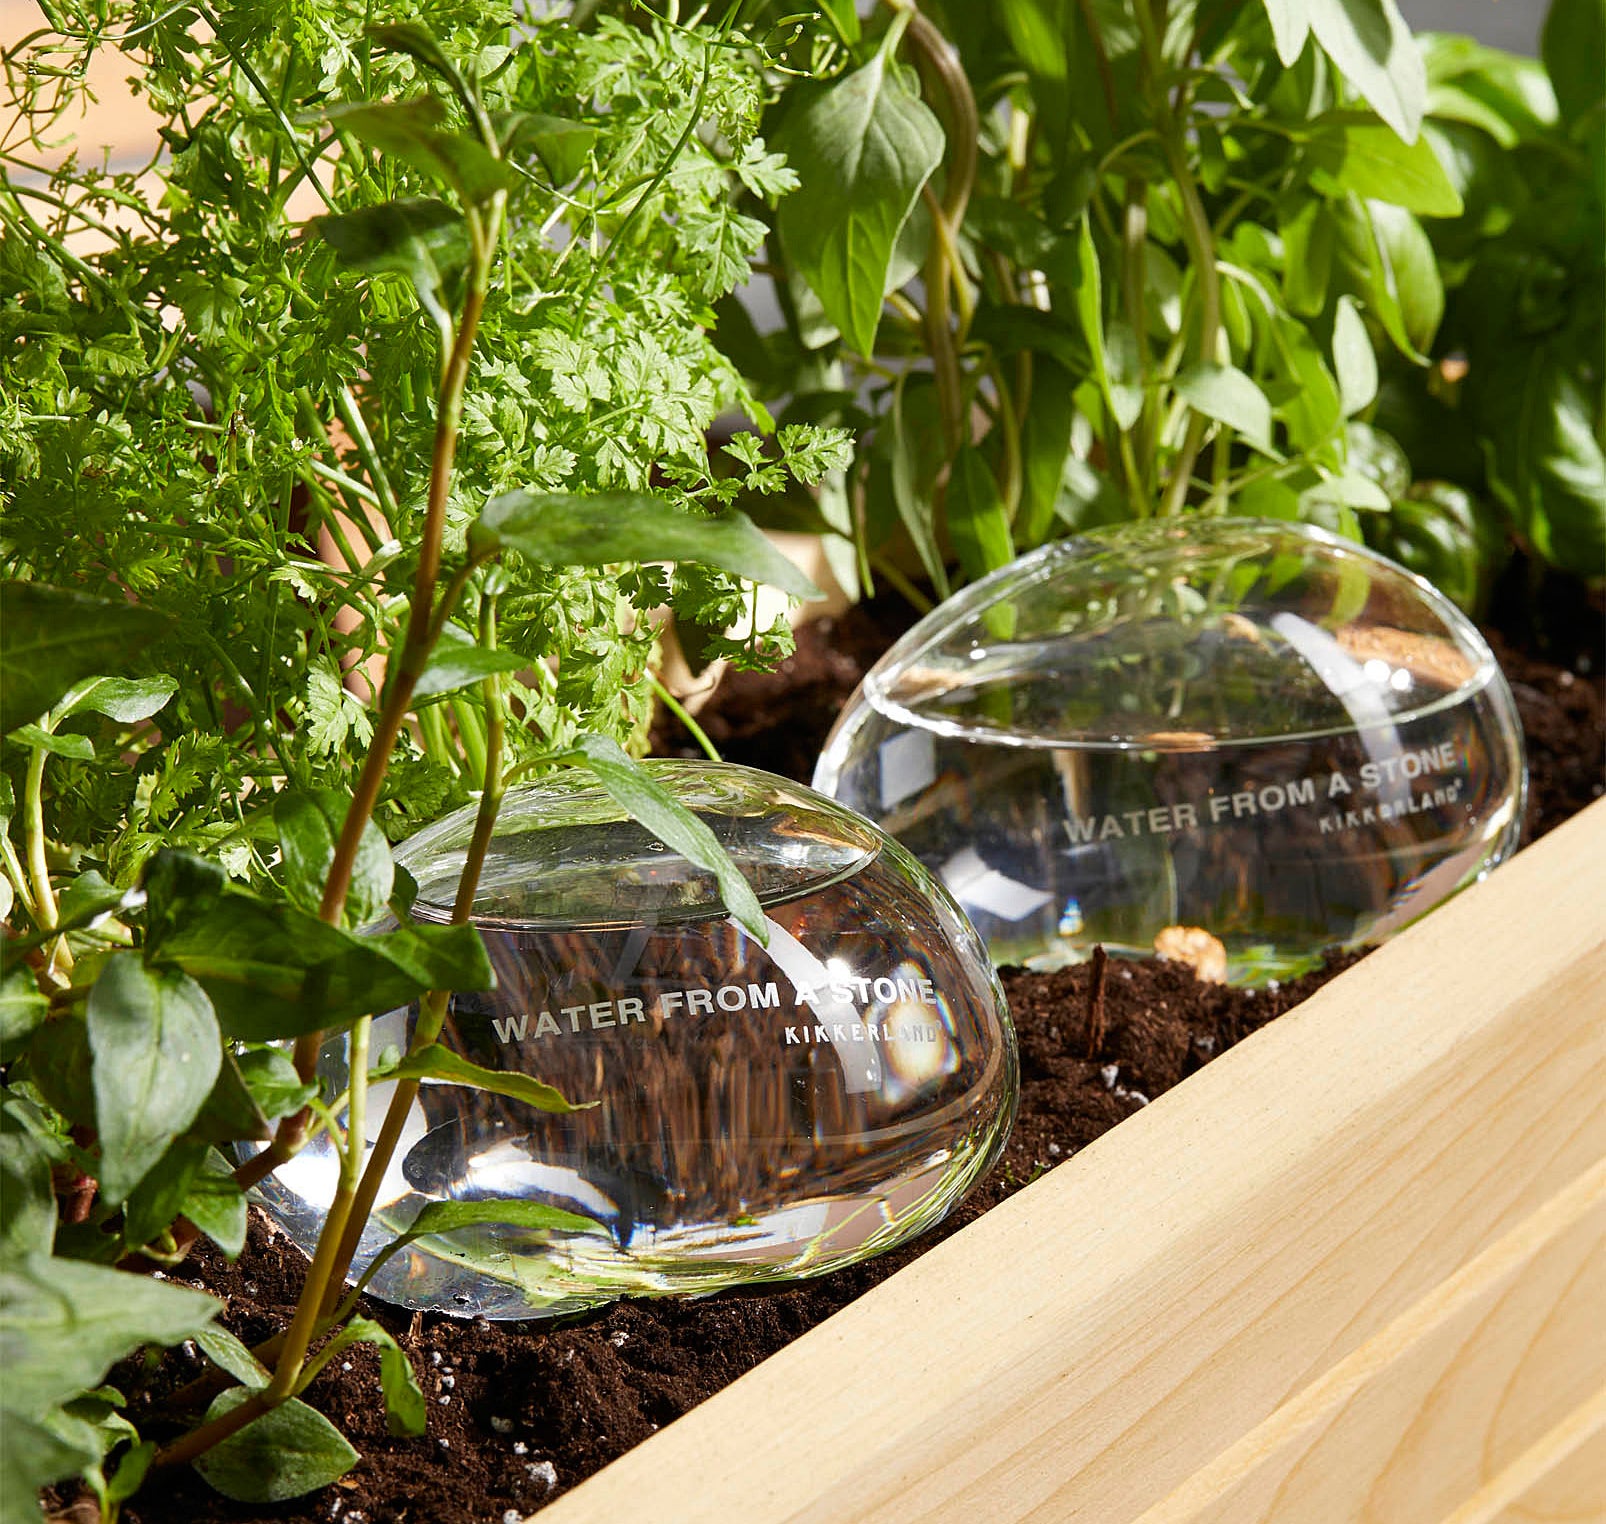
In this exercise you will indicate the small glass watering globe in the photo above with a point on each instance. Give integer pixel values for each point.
(762, 1113)
(1250, 728)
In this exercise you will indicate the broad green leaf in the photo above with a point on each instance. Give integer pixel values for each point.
(1375, 52)
(1411, 270)
(1290, 26)
(273, 971)
(231, 1113)
(37, 1452)
(1009, 328)
(863, 146)
(273, 1082)
(1308, 235)
(156, 1051)
(156, 1202)
(289, 1451)
(52, 638)
(455, 663)
(27, 1202)
(424, 239)
(561, 145)
(439, 1063)
(1350, 489)
(86, 899)
(1508, 97)
(454, 1216)
(405, 1413)
(1045, 446)
(1087, 295)
(977, 523)
(230, 1355)
(128, 700)
(560, 529)
(309, 826)
(916, 459)
(844, 17)
(412, 130)
(178, 886)
(78, 748)
(216, 1204)
(59, 1064)
(1350, 153)
(648, 802)
(1573, 46)
(64, 1323)
(22, 1008)
(1227, 395)
(1354, 363)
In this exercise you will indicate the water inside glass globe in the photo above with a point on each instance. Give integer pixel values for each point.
(1249, 729)
(761, 1113)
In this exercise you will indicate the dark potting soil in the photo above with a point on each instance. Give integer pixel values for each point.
(520, 1413)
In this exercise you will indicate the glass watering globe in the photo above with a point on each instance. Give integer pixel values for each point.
(1249, 727)
(763, 1113)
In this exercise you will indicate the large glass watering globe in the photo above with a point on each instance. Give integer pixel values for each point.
(762, 1113)
(1248, 727)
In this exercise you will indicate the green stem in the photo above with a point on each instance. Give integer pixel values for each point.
(684, 715)
(33, 815)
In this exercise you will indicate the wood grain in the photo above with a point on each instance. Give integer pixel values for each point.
(1353, 1269)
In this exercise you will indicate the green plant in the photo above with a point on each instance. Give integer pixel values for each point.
(1103, 259)
(446, 426)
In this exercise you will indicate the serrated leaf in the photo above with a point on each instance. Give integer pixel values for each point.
(560, 529)
(155, 1052)
(1375, 52)
(405, 1413)
(1227, 395)
(439, 1063)
(64, 1323)
(309, 824)
(127, 700)
(289, 1451)
(1354, 363)
(650, 803)
(863, 147)
(51, 638)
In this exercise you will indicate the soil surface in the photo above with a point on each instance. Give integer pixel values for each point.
(520, 1413)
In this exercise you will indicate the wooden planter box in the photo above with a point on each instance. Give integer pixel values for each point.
(1353, 1269)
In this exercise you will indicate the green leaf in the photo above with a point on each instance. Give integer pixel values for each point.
(412, 131)
(64, 1323)
(79, 748)
(52, 638)
(289, 1451)
(863, 147)
(59, 1064)
(1227, 395)
(456, 662)
(977, 523)
(216, 1204)
(156, 1202)
(405, 1413)
(1354, 363)
(38, 1452)
(419, 42)
(425, 240)
(630, 785)
(230, 1355)
(273, 971)
(156, 1052)
(917, 455)
(560, 529)
(273, 1082)
(1045, 446)
(1350, 153)
(439, 1063)
(127, 700)
(178, 886)
(27, 1202)
(561, 145)
(86, 899)
(1290, 26)
(1375, 52)
(1411, 270)
(453, 1216)
(231, 1113)
(1573, 46)
(1308, 234)
(22, 1008)
(309, 826)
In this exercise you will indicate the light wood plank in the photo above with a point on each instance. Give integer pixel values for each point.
(1101, 1339)
(1570, 1487)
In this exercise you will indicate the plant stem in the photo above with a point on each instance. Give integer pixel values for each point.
(33, 815)
(684, 715)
